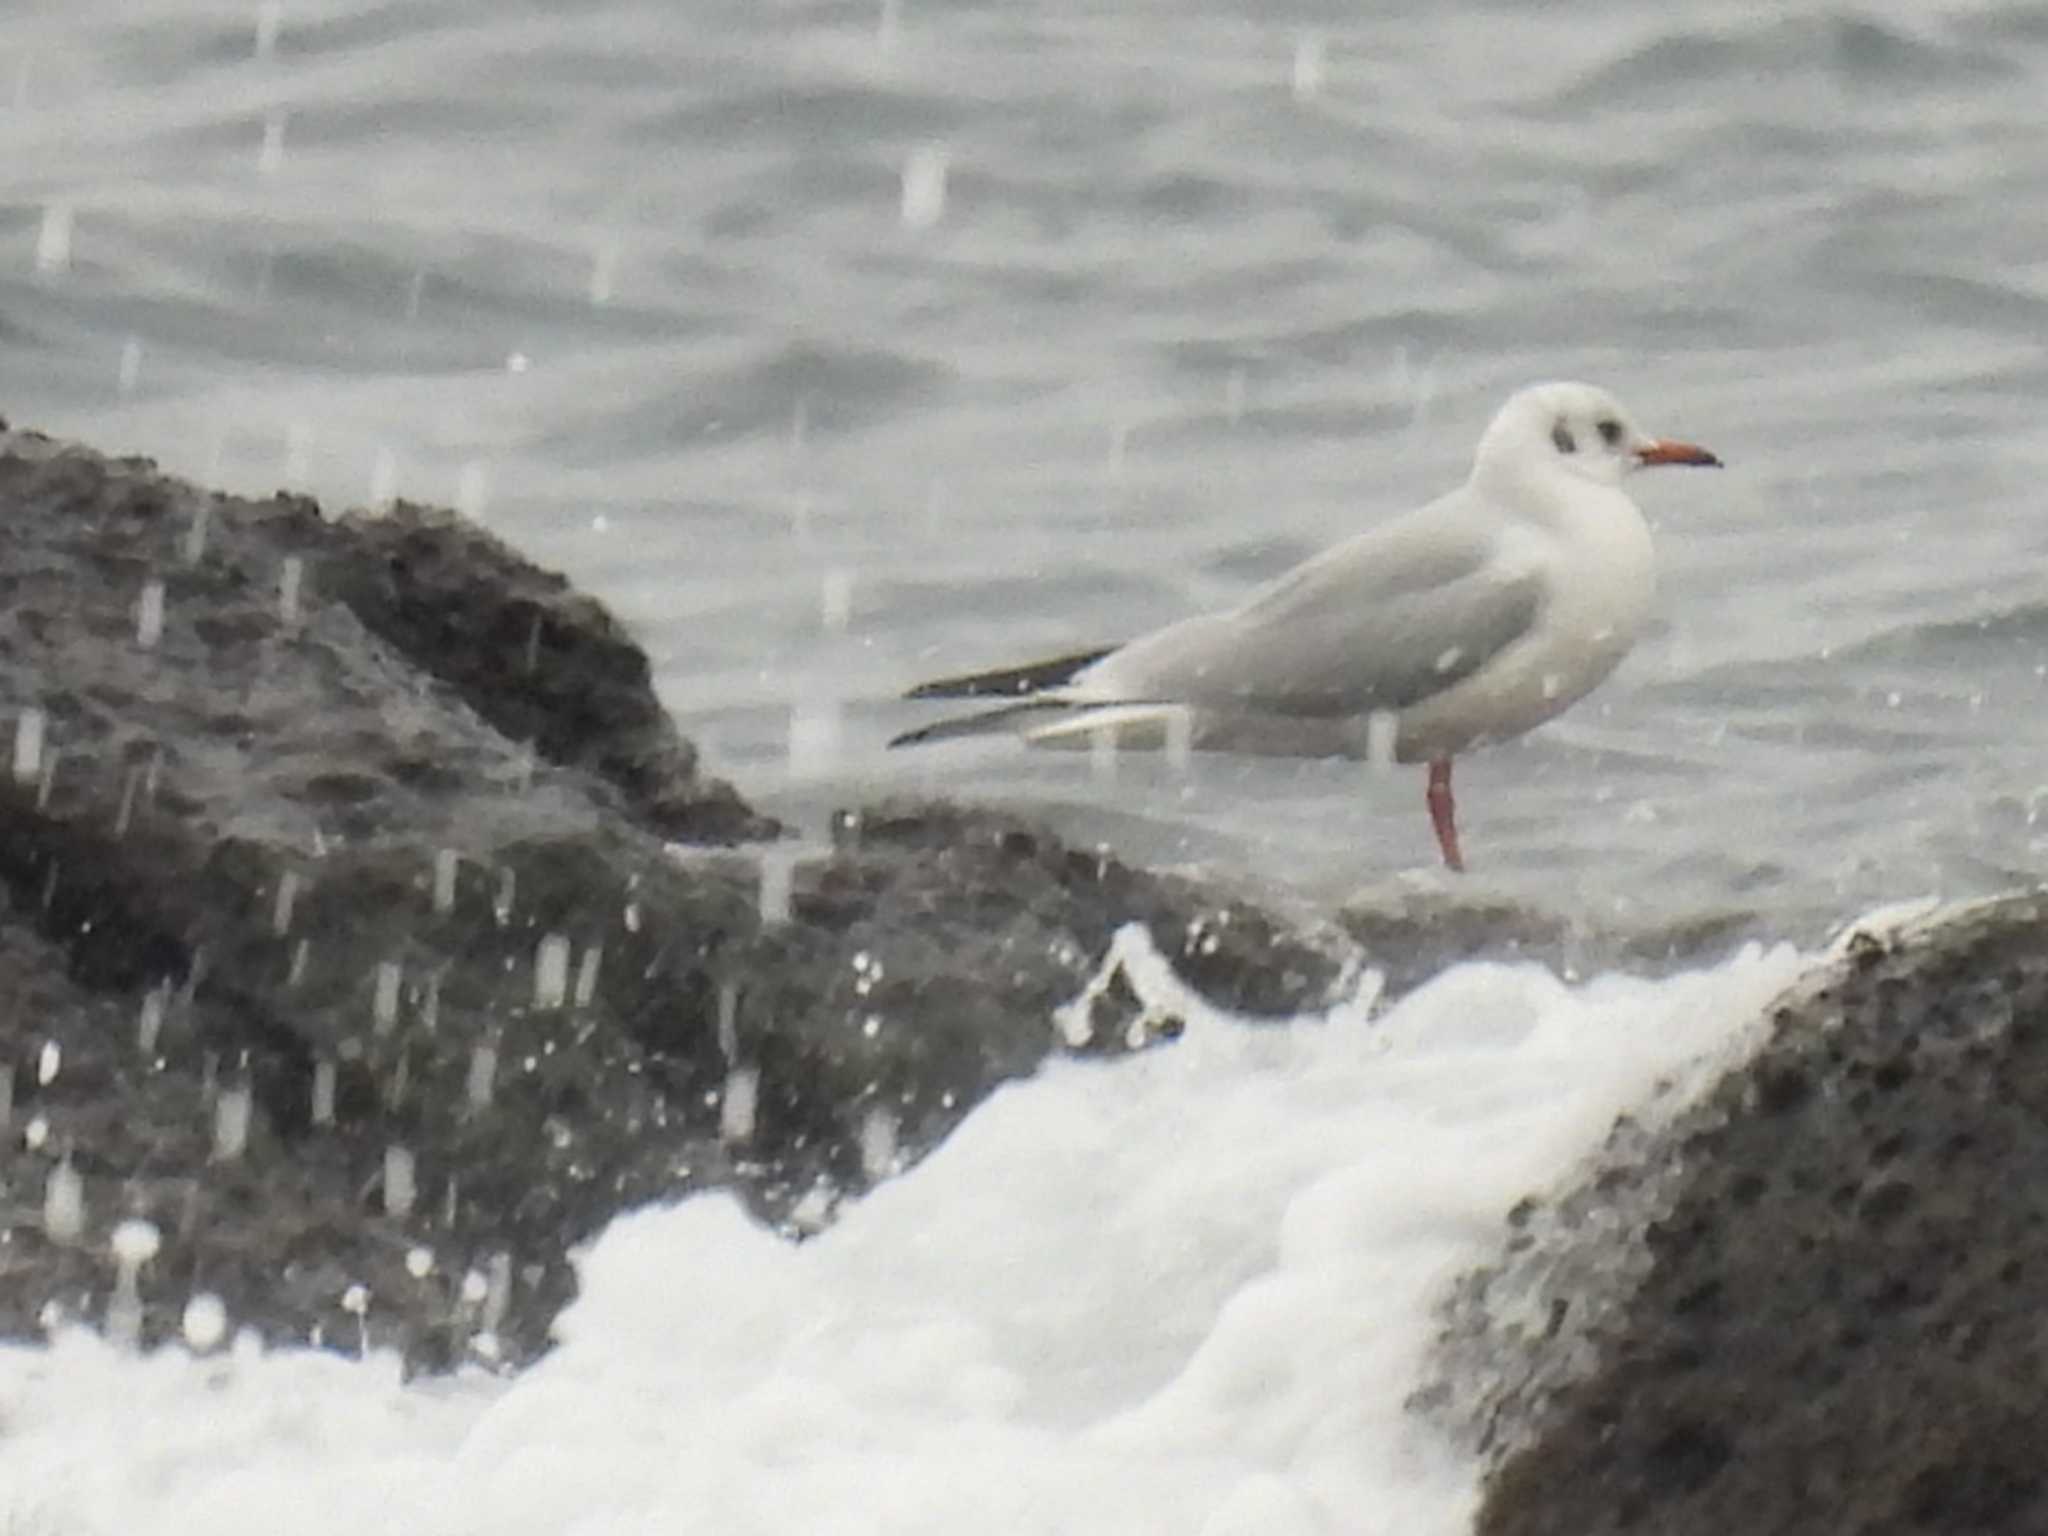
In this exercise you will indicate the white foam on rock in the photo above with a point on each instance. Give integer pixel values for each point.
(1185, 1292)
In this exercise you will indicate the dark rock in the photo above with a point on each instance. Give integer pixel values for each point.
(1825, 1313)
(348, 944)
(1410, 934)
(541, 662)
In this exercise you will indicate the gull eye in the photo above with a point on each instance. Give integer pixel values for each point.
(1610, 432)
(1561, 435)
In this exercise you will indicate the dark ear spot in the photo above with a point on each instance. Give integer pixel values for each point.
(1561, 435)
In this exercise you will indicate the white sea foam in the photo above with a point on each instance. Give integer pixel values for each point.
(1183, 1292)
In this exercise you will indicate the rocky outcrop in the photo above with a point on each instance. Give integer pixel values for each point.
(349, 946)
(1411, 934)
(1809, 1301)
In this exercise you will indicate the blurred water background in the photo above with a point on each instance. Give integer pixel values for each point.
(839, 343)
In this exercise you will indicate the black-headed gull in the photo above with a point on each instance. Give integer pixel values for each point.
(1466, 621)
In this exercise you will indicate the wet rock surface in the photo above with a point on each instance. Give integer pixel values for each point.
(346, 942)
(1809, 1301)
(1412, 934)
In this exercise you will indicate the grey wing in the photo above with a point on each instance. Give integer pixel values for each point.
(1381, 621)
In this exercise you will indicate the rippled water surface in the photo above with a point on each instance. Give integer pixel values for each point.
(839, 344)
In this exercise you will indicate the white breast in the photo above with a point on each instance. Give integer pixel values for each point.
(1600, 572)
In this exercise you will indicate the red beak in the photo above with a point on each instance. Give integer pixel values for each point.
(1664, 451)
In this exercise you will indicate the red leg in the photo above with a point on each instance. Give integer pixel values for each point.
(1443, 813)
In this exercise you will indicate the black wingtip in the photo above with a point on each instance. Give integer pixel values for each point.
(987, 721)
(1010, 682)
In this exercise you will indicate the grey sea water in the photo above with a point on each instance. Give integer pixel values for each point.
(838, 344)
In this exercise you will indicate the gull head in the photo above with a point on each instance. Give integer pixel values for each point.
(1574, 429)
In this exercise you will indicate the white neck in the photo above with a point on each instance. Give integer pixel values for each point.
(1540, 492)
